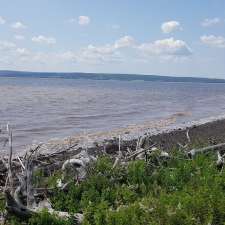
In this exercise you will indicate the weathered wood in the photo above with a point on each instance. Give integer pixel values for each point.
(14, 208)
(22, 202)
(139, 151)
(193, 152)
(10, 176)
(220, 160)
(119, 157)
(23, 212)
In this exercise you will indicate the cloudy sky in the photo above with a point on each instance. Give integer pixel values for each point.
(165, 37)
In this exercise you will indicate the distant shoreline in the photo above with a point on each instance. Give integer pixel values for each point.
(108, 76)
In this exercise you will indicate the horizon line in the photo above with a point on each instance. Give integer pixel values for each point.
(107, 73)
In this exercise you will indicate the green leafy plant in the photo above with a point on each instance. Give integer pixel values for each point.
(180, 191)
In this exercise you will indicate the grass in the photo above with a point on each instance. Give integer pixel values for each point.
(2, 203)
(178, 191)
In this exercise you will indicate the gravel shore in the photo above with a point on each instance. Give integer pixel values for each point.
(166, 134)
(166, 138)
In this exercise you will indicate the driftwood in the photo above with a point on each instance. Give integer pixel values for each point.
(23, 212)
(140, 151)
(194, 152)
(119, 157)
(220, 158)
(9, 177)
(185, 146)
(22, 190)
(23, 199)
(15, 208)
(78, 166)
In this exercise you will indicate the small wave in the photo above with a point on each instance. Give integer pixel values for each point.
(180, 114)
(101, 116)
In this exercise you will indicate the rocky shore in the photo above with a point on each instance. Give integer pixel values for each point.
(168, 138)
(76, 155)
(165, 134)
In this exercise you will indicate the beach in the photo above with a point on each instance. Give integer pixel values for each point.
(112, 112)
(167, 138)
(58, 110)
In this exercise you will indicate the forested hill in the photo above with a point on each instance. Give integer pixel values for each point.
(102, 76)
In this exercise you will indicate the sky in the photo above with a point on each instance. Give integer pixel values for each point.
(164, 37)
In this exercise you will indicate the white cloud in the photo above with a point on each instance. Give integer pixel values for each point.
(2, 20)
(67, 56)
(18, 25)
(125, 41)
(6, 45)
(210, 22)
(44, 40)
(105, 53)
(166, 47)
(170, 26)
(214, 41)
(121, 51)
(19, 37)
(106, 49)
(22, 51)
(9, 53)
(83, 20)
(98, 54)
(116, 52)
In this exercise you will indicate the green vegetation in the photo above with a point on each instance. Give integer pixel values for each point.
(177, 191)
(2, 203)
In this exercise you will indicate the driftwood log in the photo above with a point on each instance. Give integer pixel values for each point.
(217, 147)
(20, 195)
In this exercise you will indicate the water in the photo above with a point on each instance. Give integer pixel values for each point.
(44, 108)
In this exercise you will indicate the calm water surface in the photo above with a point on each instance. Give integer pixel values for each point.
(41, 108)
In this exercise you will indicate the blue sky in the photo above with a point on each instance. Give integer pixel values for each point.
(165, 37)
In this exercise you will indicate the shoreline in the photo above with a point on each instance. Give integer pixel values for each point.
(165, 134)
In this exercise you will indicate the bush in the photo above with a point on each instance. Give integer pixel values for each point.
(44, 218)
(2, 203)
(180, 191)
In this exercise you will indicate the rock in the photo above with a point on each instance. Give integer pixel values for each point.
(111, 147)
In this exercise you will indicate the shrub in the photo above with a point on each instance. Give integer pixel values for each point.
(44, 218)
(180, 191)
